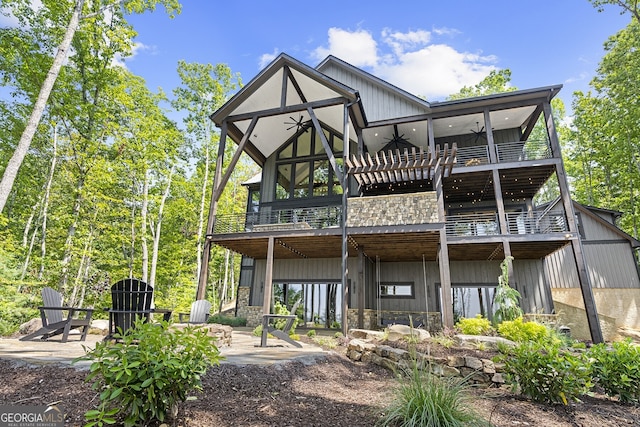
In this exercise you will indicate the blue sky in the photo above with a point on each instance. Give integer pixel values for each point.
(429, 48)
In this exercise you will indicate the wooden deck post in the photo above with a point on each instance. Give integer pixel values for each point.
(361, 287)
(268, 278)
(206, 250)
(443, 252)
(576, 244)
(345, 196)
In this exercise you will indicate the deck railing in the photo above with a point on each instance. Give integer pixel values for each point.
(505, 152)
(523, 150)
(278, 220)
(536, 223)
(486, 224)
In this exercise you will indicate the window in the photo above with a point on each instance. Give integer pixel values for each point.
(303, 169)
(396, 290)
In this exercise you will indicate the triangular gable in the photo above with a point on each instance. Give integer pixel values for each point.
(376, 93)
(275, 96)
(586, 210)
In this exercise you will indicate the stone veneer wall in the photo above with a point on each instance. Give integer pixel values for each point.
(253, 313)
(369, 319)
(401, 209)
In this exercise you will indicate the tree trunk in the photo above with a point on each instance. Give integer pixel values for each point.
(68, 245)
(203, 199)
(11, 171)
(27, 227)
(156, 234)
(45, 203)
(143, 227)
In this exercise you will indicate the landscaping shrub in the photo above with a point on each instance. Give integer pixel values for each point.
(424, 399)
(617, 369)
(227, 320)
(474, 326)
(506, 298)
(547, 373)
(144, 375)
(519, 331)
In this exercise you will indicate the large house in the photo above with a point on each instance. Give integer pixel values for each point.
(374, 205)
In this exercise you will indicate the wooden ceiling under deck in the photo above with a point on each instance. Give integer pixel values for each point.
(388, 247)
(516, 183)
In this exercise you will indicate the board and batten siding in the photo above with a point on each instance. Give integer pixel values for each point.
(610, 265)
(529, 280)
(595, 230)
(378, 102)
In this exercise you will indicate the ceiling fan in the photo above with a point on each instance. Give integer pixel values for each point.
(396, 140)
(299, 124)
(479, 132)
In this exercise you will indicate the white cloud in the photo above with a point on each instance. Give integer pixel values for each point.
(266, 58)
(435, 71)
(356, 47)
(137, 48)
(410, 60)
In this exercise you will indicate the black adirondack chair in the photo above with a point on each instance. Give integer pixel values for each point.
(130, 300)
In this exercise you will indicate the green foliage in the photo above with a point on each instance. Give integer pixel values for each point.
(227, 320)
(144, 375)
(426, 400)
(280, 308)
(498, 81)
(519, 331)
(257, 331)
(443, 340)
(547, 373)
(311, 333)
(506, 298)
(616, 369)
(474, 326)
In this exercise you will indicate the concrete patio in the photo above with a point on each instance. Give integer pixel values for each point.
(244, 350)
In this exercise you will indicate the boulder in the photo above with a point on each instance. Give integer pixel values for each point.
(221, 332)
(31, 326)
(398, 332)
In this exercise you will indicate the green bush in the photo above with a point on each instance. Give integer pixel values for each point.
(144, 375)
(474, 326)
(227, 320)
(617, 370)
(547, 373)
(424, 399)
(519, 331)
(311, 333)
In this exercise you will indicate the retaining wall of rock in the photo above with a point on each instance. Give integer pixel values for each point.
(479, 371)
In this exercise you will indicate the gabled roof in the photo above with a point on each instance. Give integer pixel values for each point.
(275, 95)
(589, 210)
(374, 91)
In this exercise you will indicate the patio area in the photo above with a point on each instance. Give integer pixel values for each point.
(244, 350)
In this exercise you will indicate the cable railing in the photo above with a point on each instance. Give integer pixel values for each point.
(523, 150)
(487, 224)
(472, 156)
(480, 224)
(279, 220)
(505, 152)
(536, 223)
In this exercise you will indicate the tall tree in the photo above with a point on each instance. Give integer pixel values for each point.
(50, 19)
(603, 160)
(204, 88)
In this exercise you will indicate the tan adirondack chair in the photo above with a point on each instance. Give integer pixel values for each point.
(199, 312)
(55, 323)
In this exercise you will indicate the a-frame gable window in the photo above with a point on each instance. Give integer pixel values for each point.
(302, 166)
